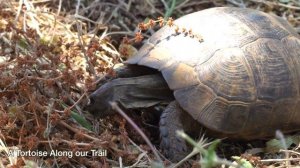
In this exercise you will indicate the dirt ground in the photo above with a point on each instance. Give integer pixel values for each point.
(52, 55)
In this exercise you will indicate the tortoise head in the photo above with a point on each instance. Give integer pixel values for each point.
(98, 104)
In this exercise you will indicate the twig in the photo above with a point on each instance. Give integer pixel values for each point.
(120, 111)
(54, 157)
(67, 142)
(19, 10)
(113, 13)
(149, 2)
(294, 152)
(193, 3)
(120, 162)
(78, 132)
(137, 163)
(48, 128)
(48, 124)
(81, 97)
(59, 7)
(120, 33)
(202, 142)
(280, 160)
(276, 4)
(144, 153)
(182, 4)
(90, 66)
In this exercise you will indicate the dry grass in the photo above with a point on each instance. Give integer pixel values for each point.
(51, 54)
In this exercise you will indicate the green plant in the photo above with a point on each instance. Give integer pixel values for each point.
(209, 158)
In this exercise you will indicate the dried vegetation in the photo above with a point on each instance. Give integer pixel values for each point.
(53, 52)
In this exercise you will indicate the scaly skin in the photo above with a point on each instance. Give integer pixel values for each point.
(172, 119)
(174, 147)
(133, 91)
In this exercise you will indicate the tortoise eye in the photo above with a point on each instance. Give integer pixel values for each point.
(91, 100)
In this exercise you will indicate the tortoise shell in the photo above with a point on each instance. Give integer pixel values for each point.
(242, 80)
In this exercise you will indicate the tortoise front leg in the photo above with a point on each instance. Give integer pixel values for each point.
(172, 119)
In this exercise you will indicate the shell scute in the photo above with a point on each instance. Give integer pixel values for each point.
(246, 71)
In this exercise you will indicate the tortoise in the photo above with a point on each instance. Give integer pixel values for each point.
(241, 82)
